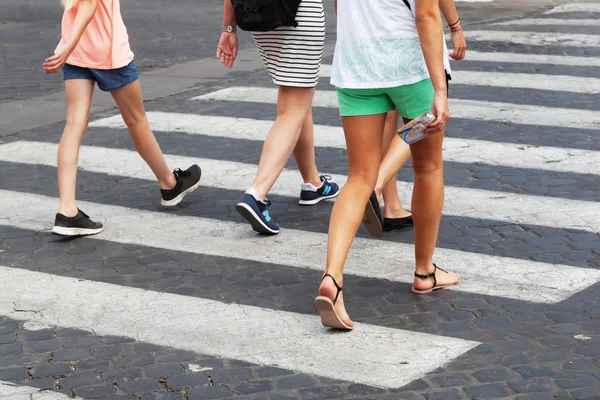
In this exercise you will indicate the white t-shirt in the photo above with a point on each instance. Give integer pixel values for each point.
(378, 45)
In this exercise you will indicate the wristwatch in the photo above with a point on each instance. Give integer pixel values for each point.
(229, 28)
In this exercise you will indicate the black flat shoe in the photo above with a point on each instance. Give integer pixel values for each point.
(395, 224)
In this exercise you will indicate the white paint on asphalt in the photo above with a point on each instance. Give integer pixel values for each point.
(12, 391)
(462, 202)
(468, 109)
(534, 38)
(481, 274)
(557, 83)
(575, 8)
(550, 22)
(35, 326)
(519, 58)
(392, 357)
(559, 159)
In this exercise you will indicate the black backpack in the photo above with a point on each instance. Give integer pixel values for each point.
(265, 15)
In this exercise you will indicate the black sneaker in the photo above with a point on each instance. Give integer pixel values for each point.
(79, 225)
(187, 181)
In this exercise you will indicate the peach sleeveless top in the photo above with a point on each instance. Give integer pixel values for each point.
(104, 43)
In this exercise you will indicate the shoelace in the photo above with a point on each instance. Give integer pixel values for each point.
(179, 173)
(84, 214)
(326, 178)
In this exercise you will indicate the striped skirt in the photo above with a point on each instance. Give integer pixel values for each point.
(293, 55)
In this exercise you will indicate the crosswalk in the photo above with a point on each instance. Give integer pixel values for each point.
(267, 335)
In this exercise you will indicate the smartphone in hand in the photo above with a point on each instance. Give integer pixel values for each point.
(415, 130)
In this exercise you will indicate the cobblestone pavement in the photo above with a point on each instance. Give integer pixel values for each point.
(520, 224)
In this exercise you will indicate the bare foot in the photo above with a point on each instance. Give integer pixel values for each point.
(328, 289)
(443, 279)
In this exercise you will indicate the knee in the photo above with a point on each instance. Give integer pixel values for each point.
(79, 123)
(365, 177)
(135, 119)
(427, 165)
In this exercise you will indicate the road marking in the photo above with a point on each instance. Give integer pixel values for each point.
(393, 357)
(575, 8)
(12, 391)
(550, 22)
(459, 201)
(481, 274)
(534, 38)
(558, 159)
(518, 58)
(468, 109)
(558, 83)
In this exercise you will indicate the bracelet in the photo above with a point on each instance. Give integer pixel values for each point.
(456, 28)
(451, 25)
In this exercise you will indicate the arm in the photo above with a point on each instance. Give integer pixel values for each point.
(429, 25)
(335, 6)
(85, 13)
(458, 38)
(228, 44)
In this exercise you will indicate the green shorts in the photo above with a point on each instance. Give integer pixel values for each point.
(410, 100)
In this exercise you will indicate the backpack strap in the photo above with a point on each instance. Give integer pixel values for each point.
(407, 4)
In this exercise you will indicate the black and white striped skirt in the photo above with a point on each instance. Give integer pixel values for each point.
(293, 55)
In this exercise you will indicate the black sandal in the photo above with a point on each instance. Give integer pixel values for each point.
(326, 307)
(429, 276)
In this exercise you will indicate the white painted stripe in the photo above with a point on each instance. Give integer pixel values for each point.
(281, 339)
(575, 8)
(557, 159)
(534, 38)
(463, 202)
(12, 391)
(481, 274)
(518, 58)
(550, 22)
(469, 109)
(559, 83)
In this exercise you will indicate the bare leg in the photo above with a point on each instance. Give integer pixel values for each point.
(395, 158)
(427, 204)
(130, 103)
(363, 140)
(79, 99)
(304, 153)
(293, 106)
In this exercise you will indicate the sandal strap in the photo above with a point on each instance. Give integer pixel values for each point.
(431, 275)
(338, 287)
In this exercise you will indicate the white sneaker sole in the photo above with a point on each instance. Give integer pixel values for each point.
(318, 200)
(248, 213)
(63, 231)
(178, 199)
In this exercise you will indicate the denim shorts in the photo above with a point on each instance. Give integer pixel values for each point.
(108, 80)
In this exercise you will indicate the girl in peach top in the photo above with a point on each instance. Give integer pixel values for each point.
(95, 48)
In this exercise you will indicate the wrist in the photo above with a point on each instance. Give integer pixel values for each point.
(229, 28)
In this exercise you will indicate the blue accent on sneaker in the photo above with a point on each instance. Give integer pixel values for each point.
(256, 212)
(328, 190)
(266, 215)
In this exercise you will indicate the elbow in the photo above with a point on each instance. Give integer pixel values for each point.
(426, 16)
